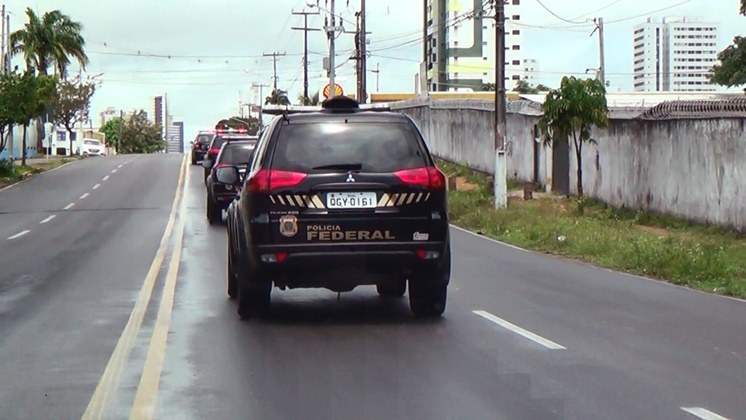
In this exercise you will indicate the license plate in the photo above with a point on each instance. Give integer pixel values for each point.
(351, 200)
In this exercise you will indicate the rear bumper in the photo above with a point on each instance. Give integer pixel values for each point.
(342, 267)
(198, 154)
(224, 199)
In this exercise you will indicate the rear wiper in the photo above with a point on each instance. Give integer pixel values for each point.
(341, 167)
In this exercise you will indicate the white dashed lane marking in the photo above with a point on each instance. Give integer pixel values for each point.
(105, 178)
(68, 207)
(703, 413)
(95, 187)
(84, 196)
(520, 331)
(47, 219)
(18, 235)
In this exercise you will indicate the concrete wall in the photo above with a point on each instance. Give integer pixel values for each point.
(462, 131)
(692, 168)
(18, 143)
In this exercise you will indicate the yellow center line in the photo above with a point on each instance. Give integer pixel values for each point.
(147, 390)
(109, 382)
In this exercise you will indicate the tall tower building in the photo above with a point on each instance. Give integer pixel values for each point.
(459, 49)
(675, 54)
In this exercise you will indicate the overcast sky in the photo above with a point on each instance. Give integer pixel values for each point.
(205, 57)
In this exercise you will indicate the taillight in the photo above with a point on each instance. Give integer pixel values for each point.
(429, 177)
(265, 179)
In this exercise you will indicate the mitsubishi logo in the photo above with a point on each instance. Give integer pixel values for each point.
(350, 178)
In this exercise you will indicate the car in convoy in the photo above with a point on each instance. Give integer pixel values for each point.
(200, 145)
(336, 199)
(92, 147)
(233, 154)
(221, 136)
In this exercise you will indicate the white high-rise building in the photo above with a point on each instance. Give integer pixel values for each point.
(459, 48)
(530, 70)
(675, 54)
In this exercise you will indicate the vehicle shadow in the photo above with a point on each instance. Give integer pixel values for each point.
(358, 308)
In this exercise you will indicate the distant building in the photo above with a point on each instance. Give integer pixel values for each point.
(158, 109)
(530, 70)
(459, 49)
(175, 137)
(108, 114)
(675, 55)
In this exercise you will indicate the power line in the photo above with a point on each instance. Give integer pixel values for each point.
(556, 15)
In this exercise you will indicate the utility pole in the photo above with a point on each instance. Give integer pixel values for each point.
(501, 170)
(2, 40)
(331, 32)
(602, 67)
(274, 56)
(363, 98)
(305, 30)
(377, 71)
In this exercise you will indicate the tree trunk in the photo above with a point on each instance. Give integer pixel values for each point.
(23, 145)
(70, 140)
(579, 163)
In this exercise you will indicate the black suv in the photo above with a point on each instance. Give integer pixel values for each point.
(222, 136)
(233, 154)
(336, 199)
(200, 145)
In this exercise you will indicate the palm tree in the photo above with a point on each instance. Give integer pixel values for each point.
(309, 101)
(49, 41)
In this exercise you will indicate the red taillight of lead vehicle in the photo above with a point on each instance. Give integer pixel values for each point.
(430, 177)
(265, 180)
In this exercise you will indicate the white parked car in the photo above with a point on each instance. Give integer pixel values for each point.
(92, 147)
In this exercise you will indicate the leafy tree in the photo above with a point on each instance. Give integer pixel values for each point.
(49, 41)
(71, 104)
(111, 131)
(277, 97)
(314, 100)
(732, 68)
(521, 86)
(33, 93)
(139, 135)
(9, 94)
(571, 111)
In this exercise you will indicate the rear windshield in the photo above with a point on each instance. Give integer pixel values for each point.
(204, 138)
(375, 147)
(93, 142)
(235, 154)
(219, 140)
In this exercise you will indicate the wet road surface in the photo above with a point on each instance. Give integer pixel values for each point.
(116, 308)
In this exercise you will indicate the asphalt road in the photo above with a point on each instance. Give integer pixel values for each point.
(104, 316)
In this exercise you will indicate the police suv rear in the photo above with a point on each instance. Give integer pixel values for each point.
(337, 199)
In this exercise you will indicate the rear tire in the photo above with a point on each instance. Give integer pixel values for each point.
(396, 289)
(232, 287)
(253, 293)
(214, 212)
(254, 300)
(427, 300)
